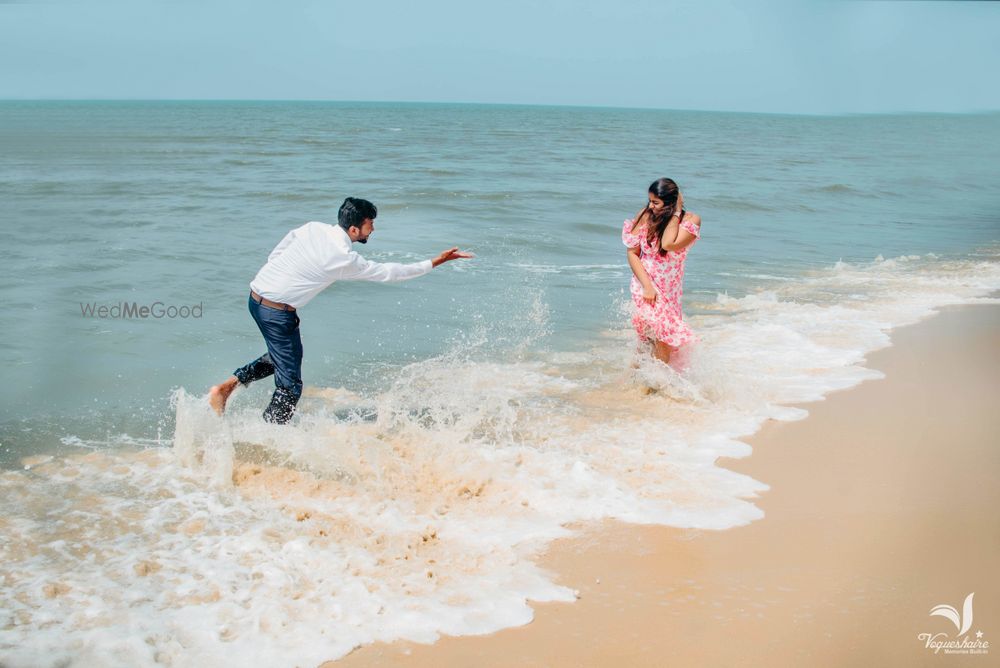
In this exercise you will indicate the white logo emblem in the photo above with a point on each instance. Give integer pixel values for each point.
(961, 644)
(962, 622)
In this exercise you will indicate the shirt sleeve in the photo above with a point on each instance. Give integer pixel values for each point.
(282, 245)
(360, 269)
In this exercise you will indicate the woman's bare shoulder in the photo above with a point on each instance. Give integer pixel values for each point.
(693, 217)
(638, 218)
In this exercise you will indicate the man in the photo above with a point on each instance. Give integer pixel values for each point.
(305, 262)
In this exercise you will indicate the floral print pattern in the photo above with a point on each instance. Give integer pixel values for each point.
(662, 320)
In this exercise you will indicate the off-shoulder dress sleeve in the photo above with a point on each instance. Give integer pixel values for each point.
(688, 225)
(630, 238)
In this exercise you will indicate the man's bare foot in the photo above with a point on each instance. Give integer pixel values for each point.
(219, 394)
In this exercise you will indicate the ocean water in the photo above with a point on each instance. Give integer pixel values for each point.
(452, 425)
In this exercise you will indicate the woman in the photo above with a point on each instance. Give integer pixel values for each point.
(658, 239)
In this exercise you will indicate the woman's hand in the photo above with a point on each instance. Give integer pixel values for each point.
(649, 295)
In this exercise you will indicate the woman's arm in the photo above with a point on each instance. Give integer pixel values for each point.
(682, 238)
(670, 232)
(648, 291)
(674, 224)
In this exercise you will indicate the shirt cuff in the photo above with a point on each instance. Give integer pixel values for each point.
(427, 266)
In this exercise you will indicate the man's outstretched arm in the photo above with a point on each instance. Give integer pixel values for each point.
(361, 269)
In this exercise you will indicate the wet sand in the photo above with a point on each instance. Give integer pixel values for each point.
(882, 504)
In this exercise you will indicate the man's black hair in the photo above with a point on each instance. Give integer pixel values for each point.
(353, 212)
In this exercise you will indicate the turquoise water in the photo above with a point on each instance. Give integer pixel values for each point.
(451, 426)
(181, 202)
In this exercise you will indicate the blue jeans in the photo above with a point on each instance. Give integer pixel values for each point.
(283, 359)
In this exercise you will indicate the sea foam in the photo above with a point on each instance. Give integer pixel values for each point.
(417, 510)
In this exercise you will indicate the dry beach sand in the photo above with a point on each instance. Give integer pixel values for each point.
(882, 504)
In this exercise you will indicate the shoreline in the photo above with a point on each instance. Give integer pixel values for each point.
(847, 561)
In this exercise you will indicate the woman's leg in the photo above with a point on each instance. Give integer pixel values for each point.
(661, 351)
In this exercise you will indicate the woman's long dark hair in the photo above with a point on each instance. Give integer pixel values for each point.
(667, 191)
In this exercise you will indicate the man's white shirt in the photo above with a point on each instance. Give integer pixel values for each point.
(313, 256)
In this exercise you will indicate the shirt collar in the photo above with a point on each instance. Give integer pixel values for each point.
(340, 234)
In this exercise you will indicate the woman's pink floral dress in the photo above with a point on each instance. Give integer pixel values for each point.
(662, 320)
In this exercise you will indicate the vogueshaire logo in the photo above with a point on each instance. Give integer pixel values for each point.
(960, 644)
(125, 310)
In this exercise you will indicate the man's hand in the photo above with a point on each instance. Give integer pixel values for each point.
(449, 255)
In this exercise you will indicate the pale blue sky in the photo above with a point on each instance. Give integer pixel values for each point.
(794, 57)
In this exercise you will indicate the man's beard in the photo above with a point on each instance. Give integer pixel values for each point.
(363, 241)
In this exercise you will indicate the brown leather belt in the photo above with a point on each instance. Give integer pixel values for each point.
(267, 302)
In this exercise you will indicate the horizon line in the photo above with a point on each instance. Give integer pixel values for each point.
(502, 104)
